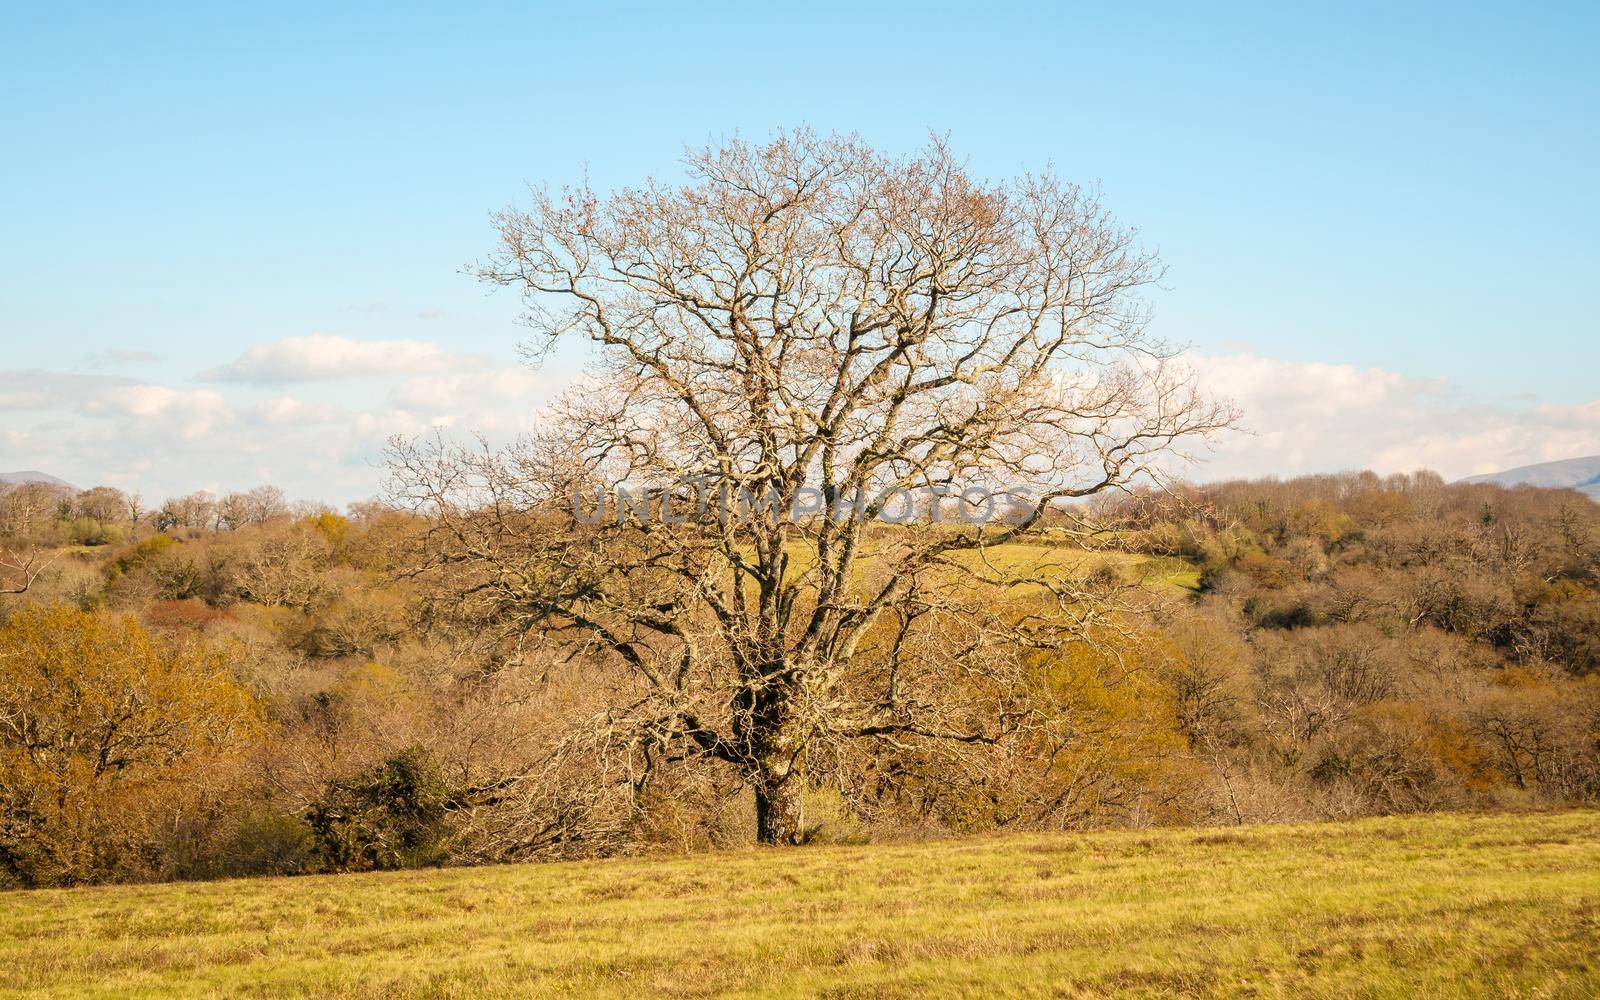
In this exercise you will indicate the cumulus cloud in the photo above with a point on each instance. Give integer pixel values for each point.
(500, 403)
(190, 414)
(467, 391)
(1306, 417)
(322, 356)
(162, 440)
(287, 410)
(24, 399)
(319, 442)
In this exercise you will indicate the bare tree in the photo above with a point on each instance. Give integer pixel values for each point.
(196, 510)
(19, 568)
(266, 503)
(807, 323)
(232, 512)
(29, 509)
(102, 504)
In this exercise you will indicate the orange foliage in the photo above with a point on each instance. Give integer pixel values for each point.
(104, 732)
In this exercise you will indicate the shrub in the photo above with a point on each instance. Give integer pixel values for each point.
(267, 842)
(355, 624)
(191, 615)
(88, 531)
(102, 730)
(393, 816)
(140, 554)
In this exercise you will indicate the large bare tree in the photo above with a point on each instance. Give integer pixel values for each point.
(801, 324)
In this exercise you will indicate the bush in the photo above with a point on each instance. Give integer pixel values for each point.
(393, 816)
(267, 842)
(355, 624)
(88, 531)
(103, 731)
(140, 554)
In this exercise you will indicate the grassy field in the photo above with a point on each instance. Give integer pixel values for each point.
(1045, 558)
(1390, 907)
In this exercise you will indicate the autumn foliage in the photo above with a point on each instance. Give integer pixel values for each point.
(290, 696)
(107, 734)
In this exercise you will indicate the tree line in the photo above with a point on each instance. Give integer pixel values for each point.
(305, 693)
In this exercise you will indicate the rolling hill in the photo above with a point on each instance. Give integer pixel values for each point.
(1582, 474)
(31, 476)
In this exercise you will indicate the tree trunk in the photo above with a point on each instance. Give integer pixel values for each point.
(780, 811)
(764, 720)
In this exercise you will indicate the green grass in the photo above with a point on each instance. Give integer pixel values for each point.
(1389, 907)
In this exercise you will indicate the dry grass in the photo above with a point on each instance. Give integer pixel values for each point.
(1040, 559)
(1434, 905)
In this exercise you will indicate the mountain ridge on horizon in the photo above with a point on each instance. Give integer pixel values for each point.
(35, 476)
(1581, 474)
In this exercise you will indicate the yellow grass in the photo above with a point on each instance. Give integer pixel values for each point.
(1042, 558)
(1051, 560)
(1418, 906)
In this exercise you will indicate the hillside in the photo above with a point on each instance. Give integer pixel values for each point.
(31, 476)
(1574, 473)
(1268, 652)
(1445, 904)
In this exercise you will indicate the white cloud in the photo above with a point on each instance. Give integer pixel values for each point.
(323, 356)
(1306, 417)
(287, 410)
(24, 399)
(162, 440)
(469, 391)
(191, 413)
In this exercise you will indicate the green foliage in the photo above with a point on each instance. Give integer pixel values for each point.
(268, 842)
(392, 816)
(88, 531)
(143, 552)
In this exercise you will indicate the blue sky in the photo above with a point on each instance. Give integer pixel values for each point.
(1395, 206)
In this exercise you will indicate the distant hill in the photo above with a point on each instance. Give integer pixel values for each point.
(1581, 474)
(18, 478)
